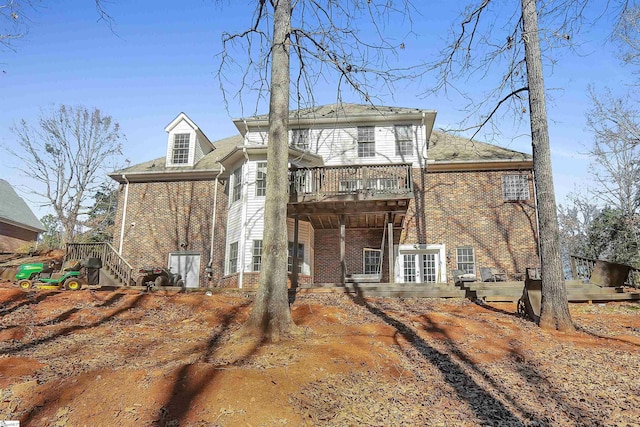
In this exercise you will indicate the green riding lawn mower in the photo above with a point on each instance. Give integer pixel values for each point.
(72, 276)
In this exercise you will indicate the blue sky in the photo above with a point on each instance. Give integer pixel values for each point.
(163, 59)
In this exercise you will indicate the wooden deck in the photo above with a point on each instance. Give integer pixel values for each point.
(577, 291)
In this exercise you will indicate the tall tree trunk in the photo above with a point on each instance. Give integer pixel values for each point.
(270, 316)
(555, 308)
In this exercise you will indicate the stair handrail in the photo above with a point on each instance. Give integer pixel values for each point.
(109, 256)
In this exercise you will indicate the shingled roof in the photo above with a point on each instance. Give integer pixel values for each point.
(14, 210)
(208, 163)
(343, 109)
(445, 147)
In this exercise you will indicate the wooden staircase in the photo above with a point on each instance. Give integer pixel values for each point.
(115, 271)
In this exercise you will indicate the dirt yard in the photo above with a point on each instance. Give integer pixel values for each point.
(126, 358)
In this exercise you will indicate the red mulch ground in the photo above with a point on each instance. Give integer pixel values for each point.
(126, 358)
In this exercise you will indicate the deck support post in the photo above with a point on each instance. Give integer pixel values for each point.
(294, 272)
(343, 265)
(392, 275)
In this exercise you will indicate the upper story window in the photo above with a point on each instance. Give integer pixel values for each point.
(515, 187)
(180, 148)
(261, 179)
(237, 185)
(366, 141)
(300, 139)
(404, 140)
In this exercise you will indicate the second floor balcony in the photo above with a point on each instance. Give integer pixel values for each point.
(350, 183)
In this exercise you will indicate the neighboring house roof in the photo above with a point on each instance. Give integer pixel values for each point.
(14, 210)
(157, 170)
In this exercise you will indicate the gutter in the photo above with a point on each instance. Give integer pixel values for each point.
(209, 269)
(243, 219)
(124, 213)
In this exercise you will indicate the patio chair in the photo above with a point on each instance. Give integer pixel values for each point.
(461, 277)
(489, 274)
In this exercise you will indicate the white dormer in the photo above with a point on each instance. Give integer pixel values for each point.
(186, 144)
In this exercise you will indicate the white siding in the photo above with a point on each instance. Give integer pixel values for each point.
(340, 146)
(234, 226)
(253, 227)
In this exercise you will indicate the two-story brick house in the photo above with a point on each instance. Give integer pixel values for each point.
(375, 194)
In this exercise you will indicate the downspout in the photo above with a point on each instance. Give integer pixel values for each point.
(535, 199)
(243, 220)
(124, 213)
(213, 221)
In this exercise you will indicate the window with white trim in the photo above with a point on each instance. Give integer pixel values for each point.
(466, 260)
(429, 268)
(300, 139)
(371, 261)
(257, 255)
(404, 140)
(237, 185)
(366, 141)
(300, 256)
(409, 268)
(233, 257)
(515, 187)
(261, 179)
(180, 154)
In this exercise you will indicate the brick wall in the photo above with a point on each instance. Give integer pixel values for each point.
(13, 238)
(327, 253)
(451, 208)
(467, 209)
(167, 214)
(250, 280)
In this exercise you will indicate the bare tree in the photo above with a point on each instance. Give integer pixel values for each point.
(67, 153)
(317, 38)
(615, 154)
(627, 34)
(504, 44)
(13, 21)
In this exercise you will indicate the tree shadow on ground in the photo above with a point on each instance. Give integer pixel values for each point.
(31, 298)
(70, 329)
(604, 337)
(481, 401)
(191, 382)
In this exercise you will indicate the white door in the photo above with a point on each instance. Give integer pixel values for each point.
(187, 265)
(420, 264)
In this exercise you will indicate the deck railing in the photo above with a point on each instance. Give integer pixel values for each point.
(581, 269)
(111, 260)
(374, 180)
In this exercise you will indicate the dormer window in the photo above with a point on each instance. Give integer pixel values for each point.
(300, 139)
(180, 154)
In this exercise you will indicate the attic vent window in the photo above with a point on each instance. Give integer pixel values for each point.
(180, 148)
(515, 187)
